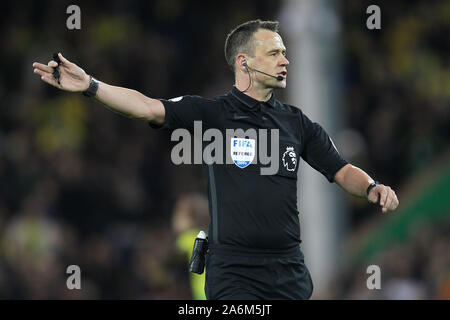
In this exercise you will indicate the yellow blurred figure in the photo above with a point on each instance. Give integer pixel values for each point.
(189, 217)
(185, 242)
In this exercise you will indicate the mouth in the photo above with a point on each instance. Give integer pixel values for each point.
(283, 74)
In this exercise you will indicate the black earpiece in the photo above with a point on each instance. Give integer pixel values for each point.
(244, 63)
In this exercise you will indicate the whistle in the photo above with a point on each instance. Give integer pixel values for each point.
(56, 73)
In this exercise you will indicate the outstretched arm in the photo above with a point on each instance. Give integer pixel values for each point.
(127, 102)
(355, 181)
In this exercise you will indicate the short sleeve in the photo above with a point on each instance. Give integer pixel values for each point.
(181, 112)
(319, 151)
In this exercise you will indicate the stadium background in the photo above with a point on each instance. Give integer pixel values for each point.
(82, 185)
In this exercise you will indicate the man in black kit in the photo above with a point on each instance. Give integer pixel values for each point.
(254, 235)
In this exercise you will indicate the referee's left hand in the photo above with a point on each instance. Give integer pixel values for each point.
(385, 196)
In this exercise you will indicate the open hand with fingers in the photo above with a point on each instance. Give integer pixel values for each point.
(71, 77)
(385, 196)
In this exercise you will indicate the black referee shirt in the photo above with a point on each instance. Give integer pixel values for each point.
(247, 209)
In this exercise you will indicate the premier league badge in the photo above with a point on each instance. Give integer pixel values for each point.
(242, 151)
(289, 159)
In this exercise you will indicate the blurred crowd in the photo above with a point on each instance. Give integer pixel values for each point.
(397, 90)
(418, 268)
(80, 185)
(397, 93)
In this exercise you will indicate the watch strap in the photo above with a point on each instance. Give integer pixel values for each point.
(371, 186)
(92, 89)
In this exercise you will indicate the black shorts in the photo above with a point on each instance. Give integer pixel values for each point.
(240, 275)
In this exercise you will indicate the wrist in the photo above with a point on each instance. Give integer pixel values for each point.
(87, 82)
(91, 90)
(371, 186)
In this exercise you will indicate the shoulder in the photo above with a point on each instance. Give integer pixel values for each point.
(191, 98)
(190, 101)
(305, 123)
(221, 99)
(288, 108)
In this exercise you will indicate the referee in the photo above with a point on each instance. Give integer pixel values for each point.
(254, 235)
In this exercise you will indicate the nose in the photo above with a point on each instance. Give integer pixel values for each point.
(284, 62)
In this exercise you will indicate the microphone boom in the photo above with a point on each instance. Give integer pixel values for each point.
(279, 78)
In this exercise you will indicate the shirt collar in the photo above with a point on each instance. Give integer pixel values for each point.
(249, 101)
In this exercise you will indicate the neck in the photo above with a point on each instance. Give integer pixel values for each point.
(257, 93)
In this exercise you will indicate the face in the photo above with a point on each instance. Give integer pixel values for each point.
(269, 57)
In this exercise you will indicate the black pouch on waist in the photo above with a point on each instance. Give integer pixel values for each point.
(197, 263)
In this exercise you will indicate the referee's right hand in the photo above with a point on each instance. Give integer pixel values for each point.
(72, 77)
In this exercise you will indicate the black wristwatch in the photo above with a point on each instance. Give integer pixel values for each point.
(93, 87)
(371, 186)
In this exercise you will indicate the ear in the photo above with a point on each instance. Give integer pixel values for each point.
(241, 59)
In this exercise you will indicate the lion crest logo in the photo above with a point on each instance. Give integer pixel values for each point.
(289, 159)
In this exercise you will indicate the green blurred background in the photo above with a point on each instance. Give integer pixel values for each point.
(82, 185)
